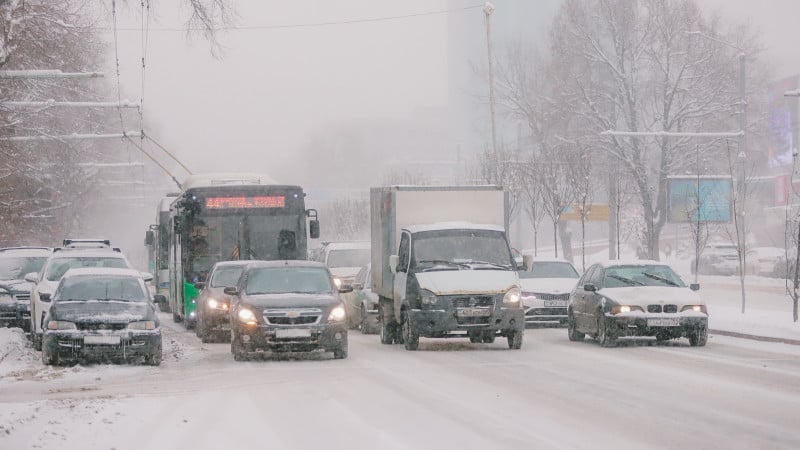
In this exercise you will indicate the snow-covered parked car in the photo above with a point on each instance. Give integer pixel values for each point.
(287, 306)
(101, 314)
(46, 280)
(639, 298)
(545, 291)
(15, 292)
(717, 258)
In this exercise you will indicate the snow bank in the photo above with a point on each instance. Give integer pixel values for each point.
(16, 352)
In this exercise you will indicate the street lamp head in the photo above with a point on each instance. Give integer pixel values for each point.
(488, 8)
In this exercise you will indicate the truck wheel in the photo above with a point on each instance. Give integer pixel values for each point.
(387, 333)
(410, 338)
(488, 337)
(514, 339)
(475, 337)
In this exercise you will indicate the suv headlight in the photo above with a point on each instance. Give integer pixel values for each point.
(427, 297)
(247, 316)
(213, 303)
(61, 325)
(337, 314)
(512, 297)
(142, 325)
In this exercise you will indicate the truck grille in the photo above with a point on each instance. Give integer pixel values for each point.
(465, 301)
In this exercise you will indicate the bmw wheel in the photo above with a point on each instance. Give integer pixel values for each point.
(603, 337)
(574, 334)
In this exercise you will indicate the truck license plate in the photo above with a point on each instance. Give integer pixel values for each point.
(668, 322)
(556, 303)
(473, 312)
(292, 332)
(101, 340)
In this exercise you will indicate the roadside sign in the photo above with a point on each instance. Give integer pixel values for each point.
(703, 199)
(594, 213)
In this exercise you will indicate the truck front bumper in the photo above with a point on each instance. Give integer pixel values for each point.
(437, 323)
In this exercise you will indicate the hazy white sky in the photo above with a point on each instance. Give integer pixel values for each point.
(271, 89)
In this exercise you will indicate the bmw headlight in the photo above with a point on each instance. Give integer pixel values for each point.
(512, 297)
(427, 297)
(142, 325)
(247, 316)
(61, 325)
(337, 314)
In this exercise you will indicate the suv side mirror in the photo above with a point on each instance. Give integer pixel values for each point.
(694, 286)
(149, 238)
(44, 296)
(32, 277)
(231, 290)
(590, 287)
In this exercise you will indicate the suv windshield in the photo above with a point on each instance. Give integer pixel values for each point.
(59, 266)
(101, 287)
(462, 246)
(351, 257)
(625, 276)
(226, 276)
(282, 280)
(15, 267)
(549, 269)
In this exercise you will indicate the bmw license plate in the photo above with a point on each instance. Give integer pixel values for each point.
(556, 303)
(283, 333)
(473, 312)
(101, 340)
(667, 322)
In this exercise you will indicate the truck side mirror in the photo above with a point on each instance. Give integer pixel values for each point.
(527, 262)
(313, 229)
(393, 260)
(149, 238)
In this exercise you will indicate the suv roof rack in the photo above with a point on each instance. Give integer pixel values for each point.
(73, 242)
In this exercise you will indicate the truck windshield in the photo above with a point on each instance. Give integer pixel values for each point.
(462, 246)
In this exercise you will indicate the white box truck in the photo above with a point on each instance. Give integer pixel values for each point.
(442, 266)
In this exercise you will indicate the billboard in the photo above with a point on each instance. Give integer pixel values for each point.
(781, 120)
(595, 213)
(703, 199)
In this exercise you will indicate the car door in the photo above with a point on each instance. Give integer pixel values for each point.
(579, 299)
(594, 299)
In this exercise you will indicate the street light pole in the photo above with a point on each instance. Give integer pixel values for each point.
(488, 9)
(742, 157)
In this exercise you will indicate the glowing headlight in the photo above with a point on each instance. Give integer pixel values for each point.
(61, 325)
(625, 309)
(142, 325)
(695, 308)
(337, 282)
(337, 314)
(512, 296)
(427, 297)
(247, 316)
(213, 304)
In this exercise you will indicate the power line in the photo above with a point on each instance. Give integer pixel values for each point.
(304, 25)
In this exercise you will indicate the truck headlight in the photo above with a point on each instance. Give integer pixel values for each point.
(247, 316)
(427, 297)
(61, 325)
(512, 297)
(337, 314)
(142, 325)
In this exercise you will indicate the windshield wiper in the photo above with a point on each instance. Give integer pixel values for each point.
(626, 280)
(443, 261)
(503, 266)
(660, 278)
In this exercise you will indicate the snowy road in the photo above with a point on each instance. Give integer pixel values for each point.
(451, 394)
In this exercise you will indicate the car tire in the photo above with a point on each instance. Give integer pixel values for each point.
(48, 360)
(475, 337)
(341, 352)
(176, 317)
(488, 337)
(198, 329)
(154, 359)
(573, 333)
(36, 339)
(410, 338)
(603, 338)
(237, 350)
(663, 337)
(365, 328)
(514, 338)
(698, 337)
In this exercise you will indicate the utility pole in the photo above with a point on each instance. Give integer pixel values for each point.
(742, 159)
(488, 9)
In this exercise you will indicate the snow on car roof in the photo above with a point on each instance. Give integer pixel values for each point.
(226, 178)
(453, 226)
(342, 245)
(95, 271)
(632, 262)
(238, 262)
(287, 263)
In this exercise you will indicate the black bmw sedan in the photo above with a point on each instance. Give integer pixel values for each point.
(101, 314)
